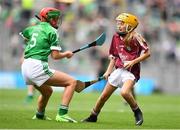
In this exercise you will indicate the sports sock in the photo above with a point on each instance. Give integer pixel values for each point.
(137, 110)
(63, 110)
(93, 112)
(30, 96)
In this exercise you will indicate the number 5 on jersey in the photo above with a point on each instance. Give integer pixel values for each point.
(33, 40)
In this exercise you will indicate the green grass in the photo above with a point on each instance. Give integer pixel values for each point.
(160, 112)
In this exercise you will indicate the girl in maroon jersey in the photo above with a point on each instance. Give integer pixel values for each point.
(127, 50)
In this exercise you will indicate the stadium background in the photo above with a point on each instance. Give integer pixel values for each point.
(83, 21)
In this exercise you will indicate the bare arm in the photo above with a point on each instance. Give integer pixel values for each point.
(110, 68)
(55, 54)
(142, 57)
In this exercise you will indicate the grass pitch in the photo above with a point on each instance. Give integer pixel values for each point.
(160, 112)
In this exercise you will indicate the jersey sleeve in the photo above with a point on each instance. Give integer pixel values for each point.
(25, 34)
(54, 42)
(112, 50)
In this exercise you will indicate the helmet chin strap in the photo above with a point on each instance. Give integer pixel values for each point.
(122, 34)
(126, 36)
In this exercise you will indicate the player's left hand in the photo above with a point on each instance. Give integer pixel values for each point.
(129, 64)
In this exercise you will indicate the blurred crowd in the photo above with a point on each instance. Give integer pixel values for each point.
(83, 21)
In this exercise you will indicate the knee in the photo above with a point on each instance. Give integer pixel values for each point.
(49, 92)
(124, 94)
(73, 83)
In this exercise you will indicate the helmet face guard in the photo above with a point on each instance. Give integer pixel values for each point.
(129, 21)
(52, 16)
(121, 28)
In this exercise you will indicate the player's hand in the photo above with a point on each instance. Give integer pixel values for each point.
(69, 54)
(106, 75)
(129, 64)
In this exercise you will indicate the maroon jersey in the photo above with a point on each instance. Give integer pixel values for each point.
(123, 53)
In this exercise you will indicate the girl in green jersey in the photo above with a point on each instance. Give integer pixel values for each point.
(42, 40)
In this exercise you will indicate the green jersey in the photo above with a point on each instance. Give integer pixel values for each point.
(41, 40)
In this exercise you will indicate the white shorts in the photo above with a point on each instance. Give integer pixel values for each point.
(119, 76)
(36, 72)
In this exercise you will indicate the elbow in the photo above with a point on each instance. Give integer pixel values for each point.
(148, 54)
(55, 55)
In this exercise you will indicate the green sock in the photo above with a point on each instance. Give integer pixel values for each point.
(63, 110)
